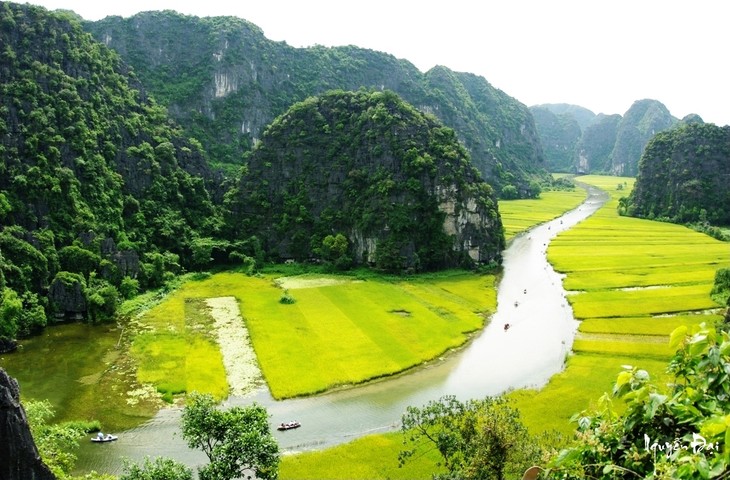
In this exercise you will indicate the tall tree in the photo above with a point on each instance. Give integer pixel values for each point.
(476, 439)
(237, 441)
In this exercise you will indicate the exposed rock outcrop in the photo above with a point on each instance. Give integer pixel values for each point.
(593, 151)
(369, 166)
(643, 120)
(19, 457)
(67, 297)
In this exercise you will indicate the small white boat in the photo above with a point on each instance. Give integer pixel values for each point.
(288, 425)
(104, 438)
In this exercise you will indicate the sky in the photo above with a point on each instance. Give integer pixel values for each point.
(600, 54)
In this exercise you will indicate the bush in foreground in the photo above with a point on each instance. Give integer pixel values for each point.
(682, 432)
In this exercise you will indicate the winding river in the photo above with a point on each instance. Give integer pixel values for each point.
(530, 299)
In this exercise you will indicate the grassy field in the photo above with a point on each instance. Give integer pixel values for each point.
(633, 282)
(520, 215)
(374, 456)
(362, 329)
(638, 281)
(646, 277)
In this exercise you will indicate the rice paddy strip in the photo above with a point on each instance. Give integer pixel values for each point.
(176, 351)
(520, 215)
(586, 378)
(608, 343)
(660, 325)
(633, 281)
(374, 456)
(362, 330)
(647, 301)
(636, 348)
(239, 359)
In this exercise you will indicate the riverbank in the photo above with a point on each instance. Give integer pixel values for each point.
(341, 416)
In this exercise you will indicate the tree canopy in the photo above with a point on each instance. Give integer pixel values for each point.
(683, 176)
(682, 431)
(238, 441)
(476, 439)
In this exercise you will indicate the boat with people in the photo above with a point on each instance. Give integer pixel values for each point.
(289, 425)
(101, 438)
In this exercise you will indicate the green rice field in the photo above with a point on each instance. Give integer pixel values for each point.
(362, 329)
(634, 281)
(520, 215)
(631, 282)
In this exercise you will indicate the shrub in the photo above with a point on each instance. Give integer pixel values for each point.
(286, 298)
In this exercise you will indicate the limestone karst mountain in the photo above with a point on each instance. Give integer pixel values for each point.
(609, 144)
(373, 169)
(224, 81)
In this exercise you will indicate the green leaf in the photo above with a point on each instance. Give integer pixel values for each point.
(623, 378)
(727, 440)
(697, 345)
(677, 336)
(655, 401)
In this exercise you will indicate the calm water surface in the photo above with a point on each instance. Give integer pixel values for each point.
(530, 299)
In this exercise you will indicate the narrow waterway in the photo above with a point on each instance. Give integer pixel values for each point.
(531, 300)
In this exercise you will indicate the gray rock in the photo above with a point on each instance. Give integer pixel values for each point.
(19, 457)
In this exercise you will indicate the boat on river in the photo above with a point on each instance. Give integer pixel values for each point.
(288, 425)
(104, 438)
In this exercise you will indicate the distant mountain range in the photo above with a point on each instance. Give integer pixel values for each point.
(576, 140)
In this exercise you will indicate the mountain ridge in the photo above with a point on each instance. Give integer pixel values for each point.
(239, 81)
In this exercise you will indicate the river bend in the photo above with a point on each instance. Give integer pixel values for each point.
(530, 298)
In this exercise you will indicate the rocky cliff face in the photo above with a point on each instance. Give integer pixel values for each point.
(608, 144)
(559, 135)
(643, 120)
(19, 458)
(593, 151)
(394, 181)
(225, 82)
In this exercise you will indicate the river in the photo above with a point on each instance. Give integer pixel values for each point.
(530, 299)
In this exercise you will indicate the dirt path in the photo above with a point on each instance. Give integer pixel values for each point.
(239, 358)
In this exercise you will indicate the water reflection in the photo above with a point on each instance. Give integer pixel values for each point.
(541, 329)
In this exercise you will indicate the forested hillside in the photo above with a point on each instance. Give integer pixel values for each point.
(559, 134)
(103, 195)
(368, 169)
(224, 81)
(99, 191)
(609, 144)
(684, 176)
(593, 151)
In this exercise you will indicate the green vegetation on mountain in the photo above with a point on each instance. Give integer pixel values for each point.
(605, 144)
(395, 183)
(683, 177)
(96, 184)
(559, 135)
(593, 152)
(102, 195)
(582, 116)
(642, 120)
(225, 82)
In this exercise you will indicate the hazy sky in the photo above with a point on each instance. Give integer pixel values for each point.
(600, 54)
